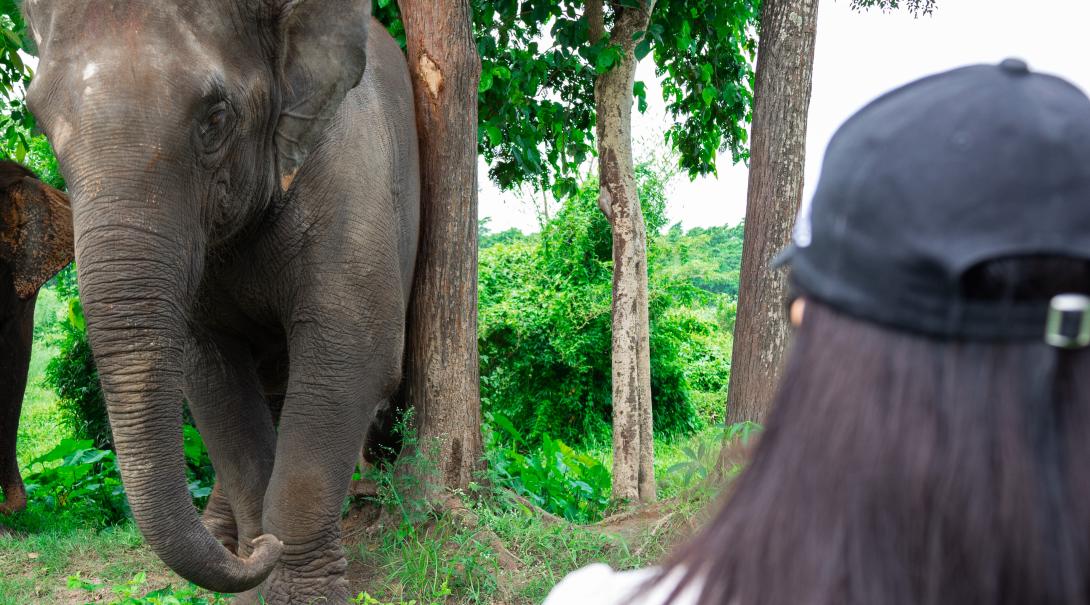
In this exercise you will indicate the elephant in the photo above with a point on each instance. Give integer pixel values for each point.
(35, 243)
(246, 205)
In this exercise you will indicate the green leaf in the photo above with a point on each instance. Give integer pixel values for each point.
(605, 61)
(494, 134)
(486, 82)
(709, 94)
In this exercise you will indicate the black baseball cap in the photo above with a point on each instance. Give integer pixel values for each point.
(977, 164)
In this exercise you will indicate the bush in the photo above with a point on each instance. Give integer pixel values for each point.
(75, 477)
(545, 326)
(555, 477)
(72, 374)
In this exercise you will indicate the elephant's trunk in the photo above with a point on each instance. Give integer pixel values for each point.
(136, 276)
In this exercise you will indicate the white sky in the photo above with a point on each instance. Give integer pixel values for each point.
(858, 57)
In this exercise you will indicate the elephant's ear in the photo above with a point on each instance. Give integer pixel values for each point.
(324, 54)
(35, 228)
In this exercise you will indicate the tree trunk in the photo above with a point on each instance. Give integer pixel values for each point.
(442, 367)
(633, 446)
(785, 61)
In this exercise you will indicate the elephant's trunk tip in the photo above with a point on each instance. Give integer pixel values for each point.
(267, 550)
(258, 566)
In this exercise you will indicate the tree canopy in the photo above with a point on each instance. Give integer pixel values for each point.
(916, 7)
(16, 121)
(539, 68)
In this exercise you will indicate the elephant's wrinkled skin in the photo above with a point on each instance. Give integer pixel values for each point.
(35, 243)
(243, 204)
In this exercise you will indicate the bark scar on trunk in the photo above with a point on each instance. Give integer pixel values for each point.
(431, 75)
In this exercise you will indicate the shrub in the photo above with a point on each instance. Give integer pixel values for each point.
(555, 477)
(72, 374)
(75, 477)
(545, 326)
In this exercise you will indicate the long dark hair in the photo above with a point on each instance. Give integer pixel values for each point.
(900, 469)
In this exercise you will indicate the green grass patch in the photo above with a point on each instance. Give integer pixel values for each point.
(39, 428)
(37, 566)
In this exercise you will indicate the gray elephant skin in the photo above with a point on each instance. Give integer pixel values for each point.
(35, 243)
(245, 203)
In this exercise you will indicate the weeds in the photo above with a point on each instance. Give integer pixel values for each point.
(426, 556)
(702, 453)
(128, 593)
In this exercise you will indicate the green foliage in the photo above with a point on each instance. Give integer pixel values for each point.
(487, 239)
(545, 325)
(709, 258)
(365, 598)
(537, 102)
(702, 455)
(72, 373)
(426, 556)
(200, 475)
(555, 477)
(916, 7)
(129, 593)
(43, 162)
(15, 120)
(536, 98)
(400, 477)
(75, 478)
(704, 50)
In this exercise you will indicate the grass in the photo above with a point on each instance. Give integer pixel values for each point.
(37, 566)
(39, 430)
(431, 561)
(446, 559)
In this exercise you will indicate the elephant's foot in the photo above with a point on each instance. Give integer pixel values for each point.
(318, 581)
(14, 499)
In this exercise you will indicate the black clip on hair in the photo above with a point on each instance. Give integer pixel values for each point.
(1068, 324)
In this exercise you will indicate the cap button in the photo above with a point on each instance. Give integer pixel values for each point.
(1015, 67)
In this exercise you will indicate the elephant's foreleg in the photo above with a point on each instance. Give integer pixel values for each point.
(16, 338)
(234, 420)
(335, 386)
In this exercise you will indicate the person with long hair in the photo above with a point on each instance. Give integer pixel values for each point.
(930, 439)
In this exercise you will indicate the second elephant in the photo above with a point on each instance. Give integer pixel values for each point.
(35, 243)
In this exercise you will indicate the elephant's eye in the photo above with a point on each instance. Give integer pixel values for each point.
(218, 118)
(217, 123)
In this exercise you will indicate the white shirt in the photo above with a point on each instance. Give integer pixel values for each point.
(600, 585)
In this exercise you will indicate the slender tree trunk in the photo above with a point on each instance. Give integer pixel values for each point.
(785, 62)
(442, 365)
(633, 446)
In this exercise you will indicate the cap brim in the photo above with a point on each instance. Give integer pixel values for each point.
(784, 257)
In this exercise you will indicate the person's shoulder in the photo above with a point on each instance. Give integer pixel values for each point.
(601, 585)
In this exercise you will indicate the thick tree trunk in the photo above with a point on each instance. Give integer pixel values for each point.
(633, 446)
(785, 61)
(442, 365)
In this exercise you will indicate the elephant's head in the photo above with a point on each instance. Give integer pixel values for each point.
(35, 228)
(176, 123)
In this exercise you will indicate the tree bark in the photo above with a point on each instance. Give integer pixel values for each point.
(785, 61)
(442, 365)
(633, 445)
